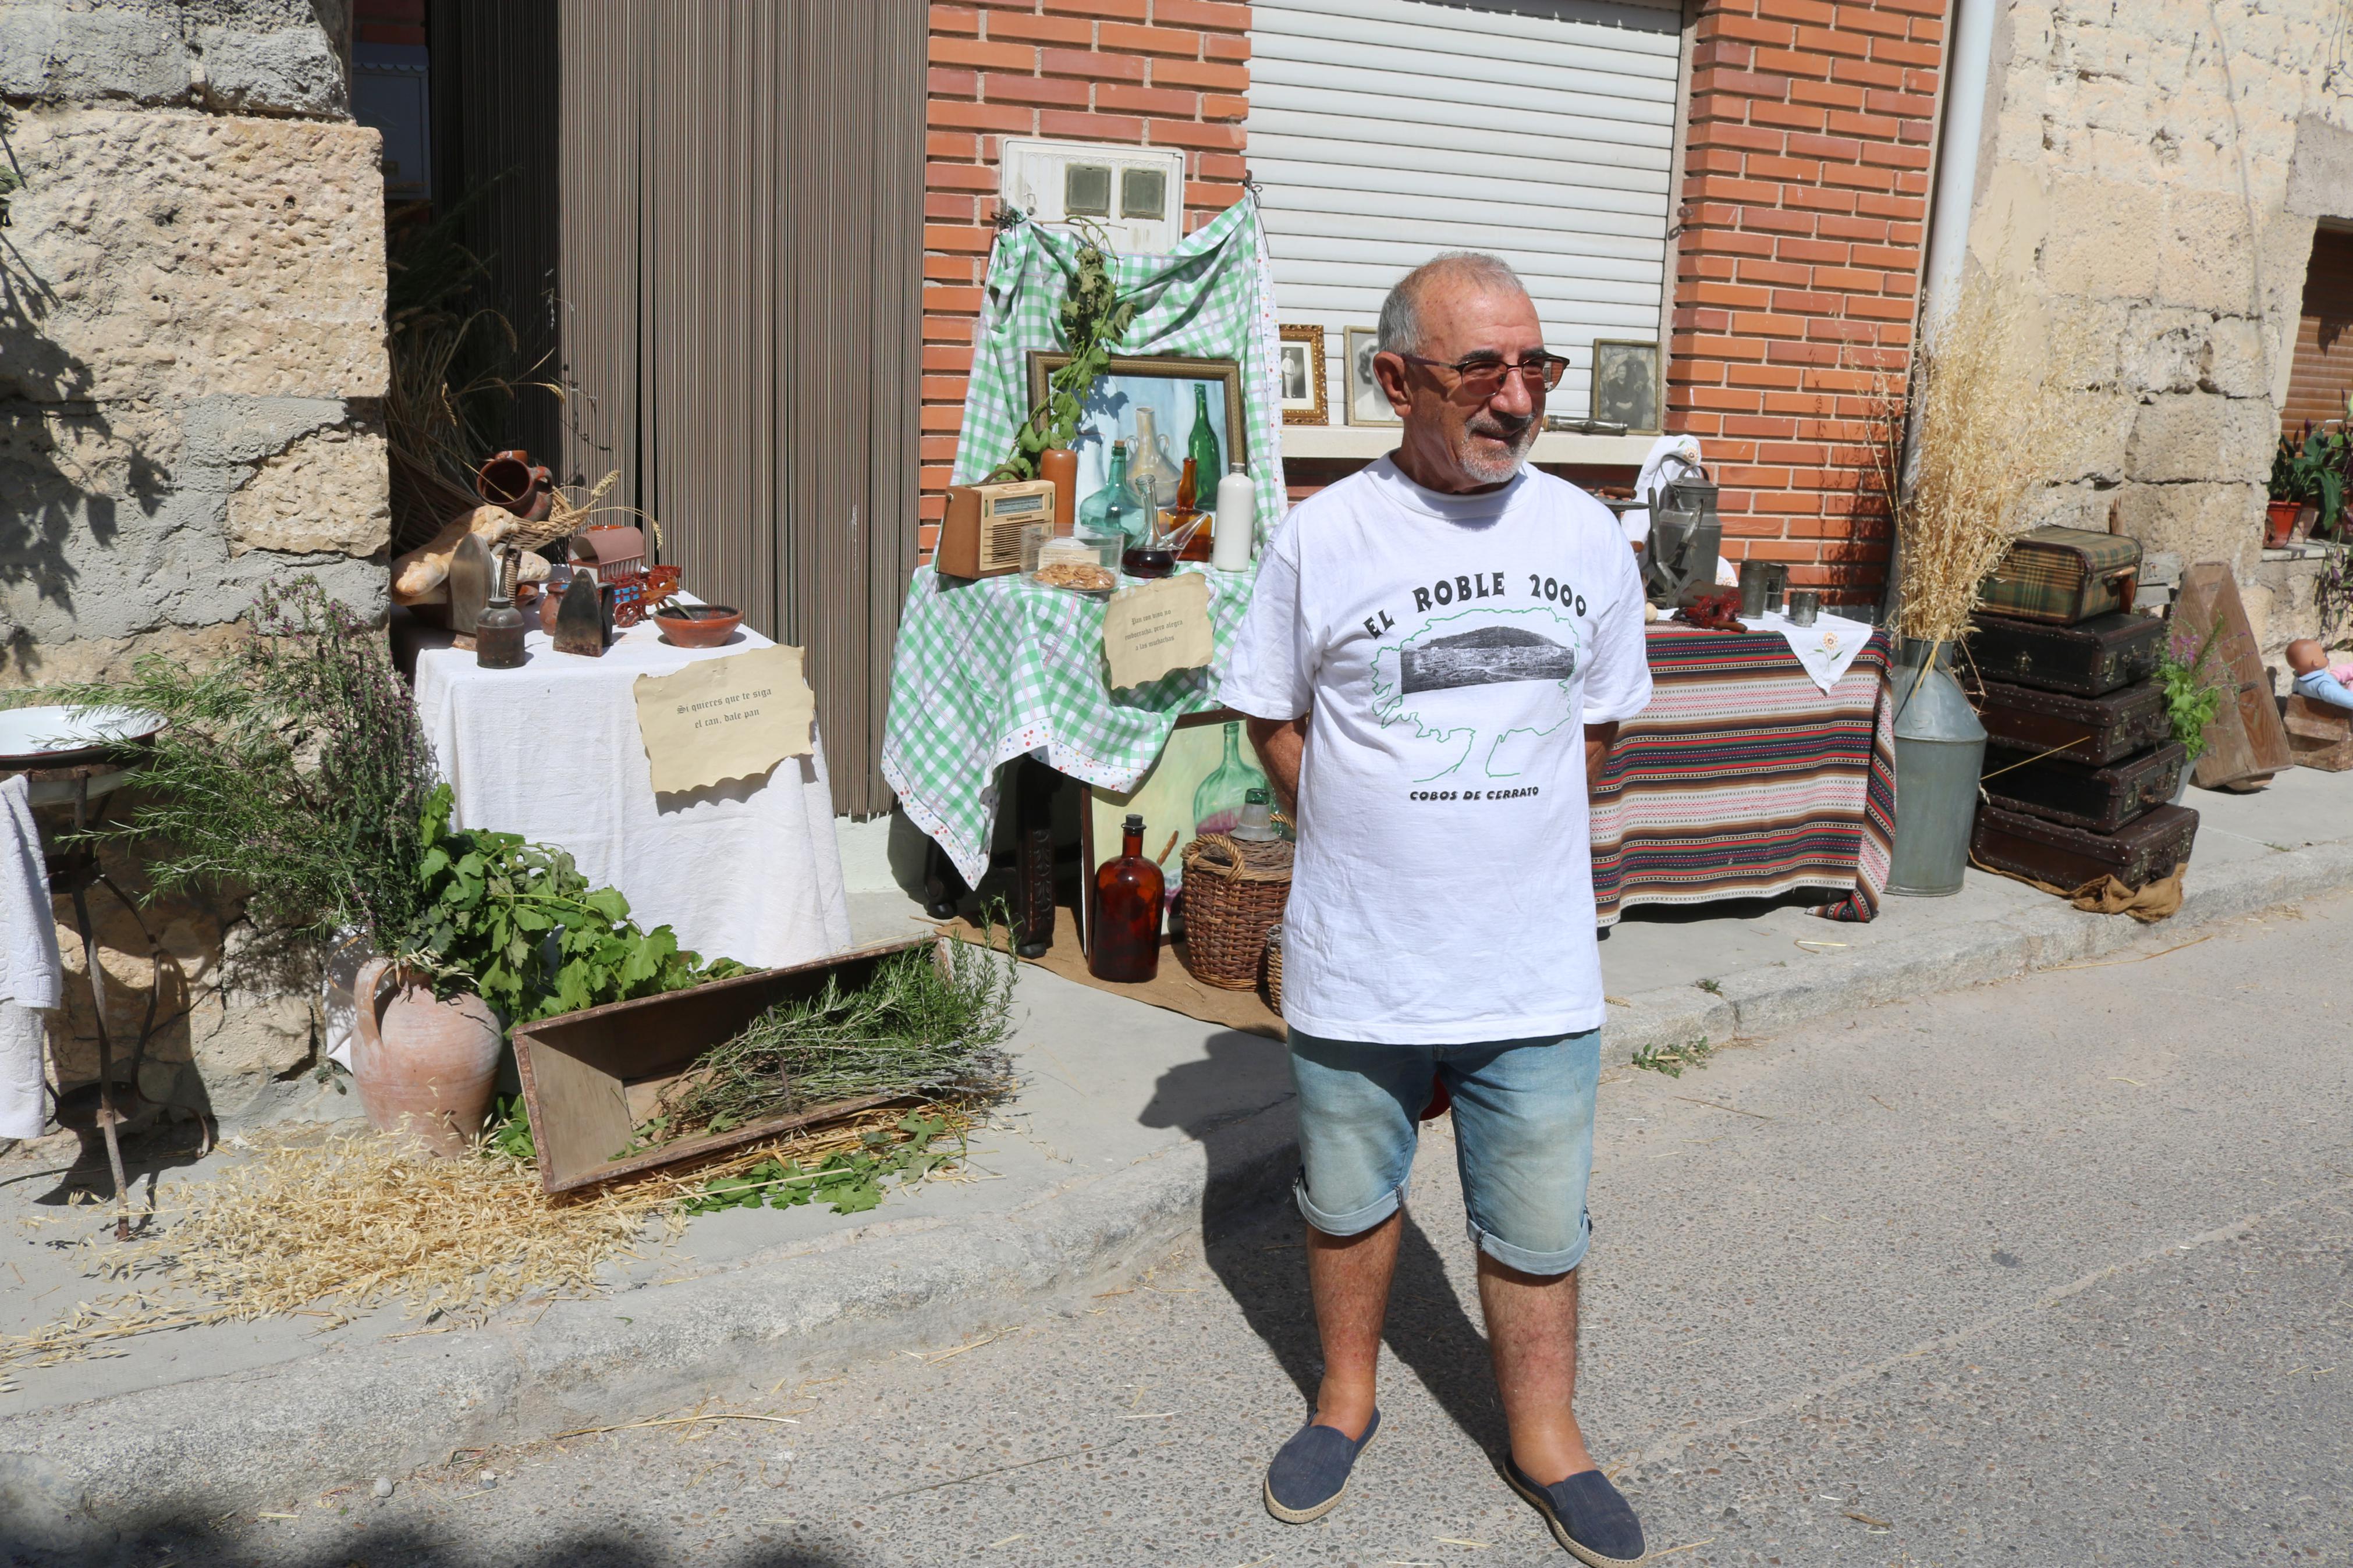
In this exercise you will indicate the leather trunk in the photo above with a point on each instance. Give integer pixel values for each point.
(2098, 800)
(2091, 658)
(2144, 850)
(2093, 730)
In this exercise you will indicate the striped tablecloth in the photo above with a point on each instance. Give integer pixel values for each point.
(1744, 778)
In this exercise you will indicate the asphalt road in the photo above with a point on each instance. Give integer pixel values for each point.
(2051, 1273)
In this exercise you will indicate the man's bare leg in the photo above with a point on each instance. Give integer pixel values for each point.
(1532, 1337)
(1349, 1277)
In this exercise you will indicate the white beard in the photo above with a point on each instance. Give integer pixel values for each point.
(1489, 468)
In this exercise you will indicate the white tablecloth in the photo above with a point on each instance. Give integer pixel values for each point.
(748, 870)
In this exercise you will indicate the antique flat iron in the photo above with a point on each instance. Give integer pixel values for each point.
(583, 621)
(473, 576)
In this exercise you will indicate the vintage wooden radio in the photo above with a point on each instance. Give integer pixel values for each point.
(981, 534)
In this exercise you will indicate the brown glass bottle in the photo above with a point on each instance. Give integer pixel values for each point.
(1127, 911)
(1188, 507)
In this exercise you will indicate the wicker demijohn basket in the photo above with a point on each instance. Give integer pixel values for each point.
(1274, 971)
(1234, 893)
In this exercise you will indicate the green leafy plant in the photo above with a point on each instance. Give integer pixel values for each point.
(2190, 700)
(1672, 1059)
(851, 1181)
(518, 924)
(2312, 466)
(295, 772)
(1093, 318)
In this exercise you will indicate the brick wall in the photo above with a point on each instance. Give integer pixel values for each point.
(1805, 209)
(1159, 73)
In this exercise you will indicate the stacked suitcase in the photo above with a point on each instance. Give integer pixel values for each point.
(2080, 763)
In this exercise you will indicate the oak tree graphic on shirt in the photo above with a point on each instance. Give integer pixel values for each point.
(1481, 686)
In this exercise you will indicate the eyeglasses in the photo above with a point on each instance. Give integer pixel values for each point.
(1482, 376)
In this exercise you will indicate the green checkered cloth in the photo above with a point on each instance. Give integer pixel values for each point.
(989, 670)
(998, 669)
(1211, 298)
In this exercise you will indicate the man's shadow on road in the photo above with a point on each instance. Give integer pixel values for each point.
(1261, 1260)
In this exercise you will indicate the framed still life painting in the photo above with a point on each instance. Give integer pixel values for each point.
(1166, 407)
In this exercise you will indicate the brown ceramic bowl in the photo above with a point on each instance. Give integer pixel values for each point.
(698, 625)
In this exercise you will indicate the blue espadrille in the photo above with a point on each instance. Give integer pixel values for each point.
(1310, 1471)
(1587, 1515)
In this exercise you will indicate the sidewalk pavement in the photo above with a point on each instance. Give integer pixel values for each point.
(1133, 1129)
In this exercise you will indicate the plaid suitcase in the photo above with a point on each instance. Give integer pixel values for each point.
(2104, 654)
(2063, 575)
(2095, 731)
(2144, 850)
(2098, 800)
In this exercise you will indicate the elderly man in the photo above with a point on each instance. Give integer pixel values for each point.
(1429, 642)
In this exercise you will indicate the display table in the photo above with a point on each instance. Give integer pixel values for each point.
(996, 669)
(1744, 778)
(748, 870)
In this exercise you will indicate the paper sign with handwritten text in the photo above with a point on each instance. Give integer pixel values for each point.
(730, 718)
(1159, 626)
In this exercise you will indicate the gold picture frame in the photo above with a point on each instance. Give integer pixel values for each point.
(1303, 400)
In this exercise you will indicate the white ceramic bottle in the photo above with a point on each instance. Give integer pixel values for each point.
(1235, 534)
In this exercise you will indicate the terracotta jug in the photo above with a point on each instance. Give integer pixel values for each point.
(420, 1061)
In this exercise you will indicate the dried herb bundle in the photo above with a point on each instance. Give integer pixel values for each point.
(916, 1027)
(1988, 427)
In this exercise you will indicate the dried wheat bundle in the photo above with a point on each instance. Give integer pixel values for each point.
(1986, 414)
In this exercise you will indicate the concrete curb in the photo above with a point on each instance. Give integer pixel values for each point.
(269, 1436)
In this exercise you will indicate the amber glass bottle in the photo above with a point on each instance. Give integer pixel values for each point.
(1127, 911)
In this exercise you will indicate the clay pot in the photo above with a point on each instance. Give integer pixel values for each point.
(511, 480)
(2279, 522)
(698, 625)
(422, 1064)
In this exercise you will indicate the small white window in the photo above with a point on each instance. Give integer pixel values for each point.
(1132, 195)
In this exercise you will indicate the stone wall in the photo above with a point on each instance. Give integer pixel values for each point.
(2135, 192)
(192, 364)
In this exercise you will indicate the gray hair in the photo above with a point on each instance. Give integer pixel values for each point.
(1400, 329)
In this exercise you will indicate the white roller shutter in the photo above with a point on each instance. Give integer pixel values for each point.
(1385, 132)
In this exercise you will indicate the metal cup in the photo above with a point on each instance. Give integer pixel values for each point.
(1804, 606)
(1777, 585)
(1755, 579)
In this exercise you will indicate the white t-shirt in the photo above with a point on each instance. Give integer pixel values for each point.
(1449, 650)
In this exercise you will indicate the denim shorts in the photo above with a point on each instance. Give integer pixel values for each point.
(1522, 1138)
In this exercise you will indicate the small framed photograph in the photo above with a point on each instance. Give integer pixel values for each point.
(1301, 364)
(1626, 383)
(1367, 403)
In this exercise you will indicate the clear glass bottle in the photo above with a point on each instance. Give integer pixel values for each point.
(1129, 893)
(1257, 826)
(1201, 446)
(1150, 467)
(1218, 803)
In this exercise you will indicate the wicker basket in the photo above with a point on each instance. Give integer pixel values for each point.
(1234, 893)
(1273, 987)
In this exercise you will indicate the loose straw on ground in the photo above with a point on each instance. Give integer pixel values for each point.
(333, 1226)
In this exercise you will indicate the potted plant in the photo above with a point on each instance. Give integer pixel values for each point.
(2306, 471)
(295, 775)
(2190, 700)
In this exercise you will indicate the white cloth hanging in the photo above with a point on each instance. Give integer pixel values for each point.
(32, 974)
